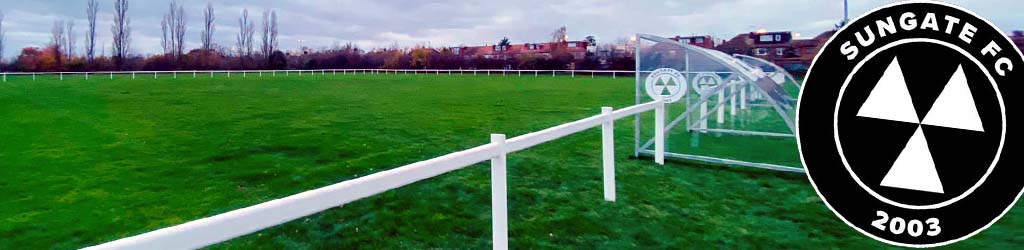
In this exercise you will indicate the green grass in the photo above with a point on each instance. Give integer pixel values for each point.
(85, 162)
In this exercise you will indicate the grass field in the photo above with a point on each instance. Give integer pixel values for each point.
(85, 162)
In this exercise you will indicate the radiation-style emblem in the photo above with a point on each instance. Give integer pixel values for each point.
(705, 83)
(902, 124)
(666, 84)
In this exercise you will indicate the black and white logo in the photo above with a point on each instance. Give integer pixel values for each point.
(705, 83)
(667, 84)
(903, 124)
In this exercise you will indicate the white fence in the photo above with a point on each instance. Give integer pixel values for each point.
(222, 227)
(274, 73)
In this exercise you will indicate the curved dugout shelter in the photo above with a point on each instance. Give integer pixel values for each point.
(721, 109)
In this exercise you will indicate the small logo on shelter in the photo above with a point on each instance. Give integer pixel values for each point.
(705, 83)
(666, 84)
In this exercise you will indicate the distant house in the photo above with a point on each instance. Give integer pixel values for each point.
(706, 42)
(616, 50)
(578, 50)
(780, 48)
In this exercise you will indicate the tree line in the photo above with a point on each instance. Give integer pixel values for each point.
(60, 54)
(247, 53)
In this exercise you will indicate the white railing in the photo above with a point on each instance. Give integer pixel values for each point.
(274, 73)
(218, 228)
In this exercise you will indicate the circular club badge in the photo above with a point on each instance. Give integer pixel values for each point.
(667, 84)
(902, 124)
(705, 83)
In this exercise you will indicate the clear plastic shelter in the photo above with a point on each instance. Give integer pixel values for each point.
(776, 73)
(721, 109)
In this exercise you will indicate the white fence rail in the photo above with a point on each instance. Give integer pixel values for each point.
(274, 73)
(222, 227)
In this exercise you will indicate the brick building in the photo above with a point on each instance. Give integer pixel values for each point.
(706, 42)
(578, 50)
(782, 48)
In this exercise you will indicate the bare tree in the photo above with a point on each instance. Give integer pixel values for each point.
(269, 33)
(91, 9)
(178, 30)
(273, 32)
(3, 37)
(69, 44)
(245, 34)
(122, 31)
(265, 50)
(57, 41)
(165, 42)
(560, 35)
(208, 28)
(173, 28)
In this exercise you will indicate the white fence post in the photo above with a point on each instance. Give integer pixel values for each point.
(732, 100)
(659, 132)
(608, 150)
(743, 97)
(86, 76)
(61, 76)
(154, 74)
(703, 123)
(5, 77)
(175, 74)
(721, 107)
(499, 206)
(133, 75)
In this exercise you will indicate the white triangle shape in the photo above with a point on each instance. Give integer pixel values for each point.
(955, 106)
(914, 169)
(890, 99)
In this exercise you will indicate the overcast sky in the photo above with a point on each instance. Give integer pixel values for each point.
(379, 23)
